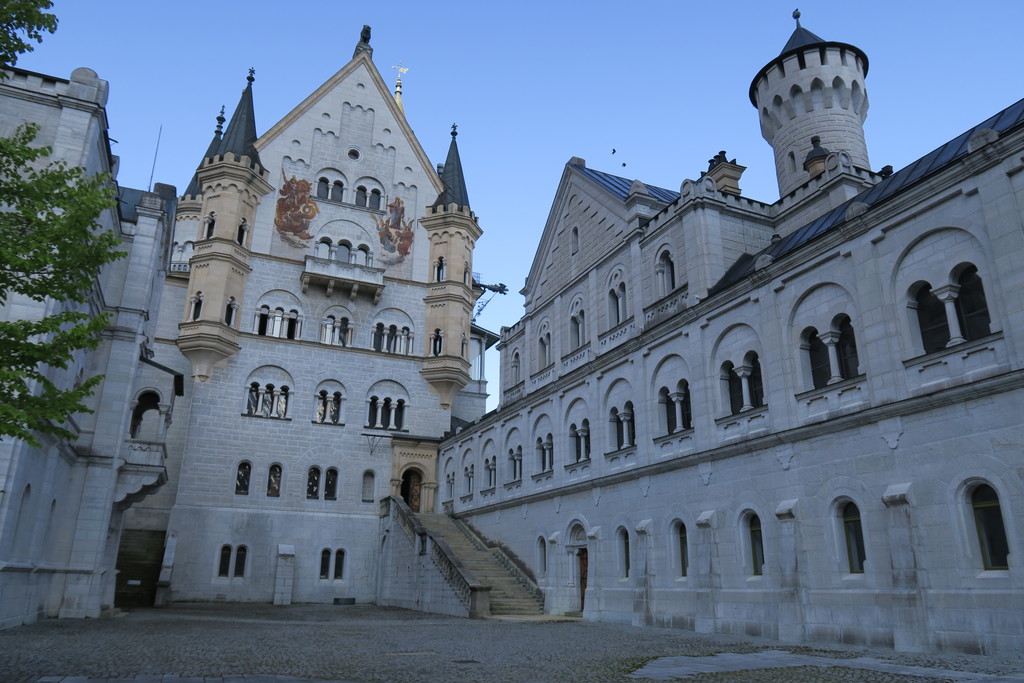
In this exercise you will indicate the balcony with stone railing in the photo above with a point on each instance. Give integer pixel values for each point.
(351, 278)
(142, 471)
(666, 307)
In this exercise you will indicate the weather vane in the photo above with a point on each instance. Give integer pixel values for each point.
(401, 69)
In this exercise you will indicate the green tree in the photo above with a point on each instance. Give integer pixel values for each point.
(52, 248)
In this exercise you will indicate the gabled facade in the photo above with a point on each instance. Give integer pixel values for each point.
(303, 301)
(797, 419)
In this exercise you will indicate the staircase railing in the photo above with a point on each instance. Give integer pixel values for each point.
(475, 596)
(520, 576)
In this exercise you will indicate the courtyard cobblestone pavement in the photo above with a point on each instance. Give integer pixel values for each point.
(230, 643)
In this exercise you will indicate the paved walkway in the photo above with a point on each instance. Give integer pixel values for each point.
(218, 643)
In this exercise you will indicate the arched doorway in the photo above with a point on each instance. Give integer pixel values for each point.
(578, 548)
(412, 479)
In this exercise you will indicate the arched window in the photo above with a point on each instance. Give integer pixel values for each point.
(623, 538)
(274, 481)
(668, 410)
(684, 551)
(372, 418)
(331, 484)
(337, 191)
(243, 228)
(378, 337)
(368, 486)
(666, 271)
(252, 400)
(211, 224)
(440, 269)
(282, 402)
(756, 384)
(543, 351)
(854, 537)
(577, 329)
(145, 417)
(437, 345)
(229, 311)
(574, 241)
(262, 320)
(971, 305)
(321, 188)
(617, 305)
(224, 566)
(542, 555)
(756, 545)
(325, 564)
(375, 199)
(360, 196)
(846, 349)
(988, 520)
(343, 252)
(339, 565)
(516, 377)
(817, 354)
(931, 320)
(392, 339)
(292, 326)
(242, 479)
(733, 388)
(241, 553)
(196, 302)
(313, 483)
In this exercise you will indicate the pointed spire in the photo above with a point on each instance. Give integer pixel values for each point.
(801, 37)
(193, 188)
(398, 86)
(452, 179)
(241, 132)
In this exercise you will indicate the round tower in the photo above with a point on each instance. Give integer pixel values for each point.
(814, 88)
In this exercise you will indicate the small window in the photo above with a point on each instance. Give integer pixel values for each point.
(240, 556)
(988, 520)
(854, 536)
(542, 555)
(331, 484)
(360, 196)
(734, 387)
(242, 479)
(337, 191)
(321, 188)
(846, 349)
(274, 481)
(817, 354)
(353, 154)
(756, 545)
(375, 199)
(575, 240)
(756, 384)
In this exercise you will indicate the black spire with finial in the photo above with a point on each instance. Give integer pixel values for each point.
(801, 36)
(452, 178)
(193, 188)
(241, 132)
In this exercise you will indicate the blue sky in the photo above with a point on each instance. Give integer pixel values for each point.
(532, 84)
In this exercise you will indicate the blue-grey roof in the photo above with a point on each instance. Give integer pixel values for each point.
(128, 199)
(619, 186)
(241, 131)
(1011, 117)
(452, 178)
(801, 38)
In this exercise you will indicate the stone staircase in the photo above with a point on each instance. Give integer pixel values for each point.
(508, 594)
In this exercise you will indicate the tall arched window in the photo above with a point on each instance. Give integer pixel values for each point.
(684, 551)
(378, 337)
(242, 479)
(375, 199)
(274, 481)
(817, 354)
(623, 538)
(514, 366)
(360, 196)
(339, 565)
(733, 386)
(756, 545)
(313, 483)
(931, 320)
(668, 410)
(337, 191)
(756, 384)
(325, 564)
(574, 241)
(368, 486)
(196, 302)
(846, 350)
(988, 520)
(666, 271)
(263, 320)
(542, 556)
(321, 188)
(971, 305)
(241, 554)
(331, 484)
(224, 565)
(854, 536)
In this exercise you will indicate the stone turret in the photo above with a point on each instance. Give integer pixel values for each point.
(453, 231)
(228, 186)
(814, 88)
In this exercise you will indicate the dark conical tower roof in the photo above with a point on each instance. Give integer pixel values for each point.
(241, 133)
(193, 188)
(801, 38)
(452, 178)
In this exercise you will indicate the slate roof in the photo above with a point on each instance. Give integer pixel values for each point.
(241, 132)
(929, 164)
(453, 179)
(619, 186)
(193, 188)
(801, 38)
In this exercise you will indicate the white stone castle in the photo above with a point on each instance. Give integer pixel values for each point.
(798, 419)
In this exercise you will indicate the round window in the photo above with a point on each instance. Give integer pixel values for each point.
(353, 154)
